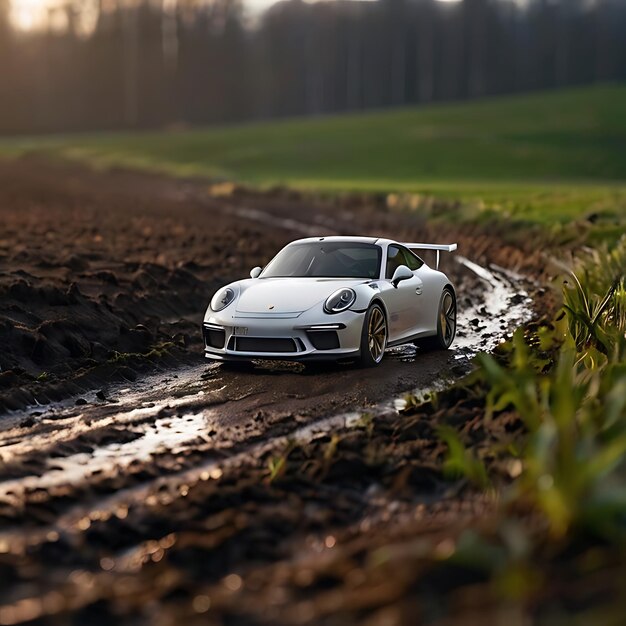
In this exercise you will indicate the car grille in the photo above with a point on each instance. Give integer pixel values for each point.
(263, 344)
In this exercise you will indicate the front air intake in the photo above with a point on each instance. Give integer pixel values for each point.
(214, 337)
(324, 339)
(268, 345)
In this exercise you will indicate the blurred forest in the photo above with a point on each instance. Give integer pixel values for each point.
(154, 63)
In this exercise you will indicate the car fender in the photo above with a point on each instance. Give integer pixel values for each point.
(438, 281)
(372, 292)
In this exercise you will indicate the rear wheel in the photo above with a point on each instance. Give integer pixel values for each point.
(373, 336)
(446, 324)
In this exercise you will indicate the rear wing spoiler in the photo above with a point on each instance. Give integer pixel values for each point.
(432, 246)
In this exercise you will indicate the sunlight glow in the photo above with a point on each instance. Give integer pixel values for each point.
(29, 15)
(32, 15)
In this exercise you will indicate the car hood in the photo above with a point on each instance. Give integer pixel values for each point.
(288, 295)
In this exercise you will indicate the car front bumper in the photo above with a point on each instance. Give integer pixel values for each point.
(294, 337)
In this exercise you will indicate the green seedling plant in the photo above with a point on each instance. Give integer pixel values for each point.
(574, 472)
(574, 452)
(461, 461)
(276, 466)
(595, 300)
(277, 463)
(567, 383)
(595, 320)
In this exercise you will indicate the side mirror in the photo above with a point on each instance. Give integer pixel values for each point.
(401, 273)
(255, 272)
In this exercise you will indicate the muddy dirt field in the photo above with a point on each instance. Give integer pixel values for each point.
(142, 484)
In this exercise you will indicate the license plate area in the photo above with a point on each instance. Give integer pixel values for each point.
(240, 331)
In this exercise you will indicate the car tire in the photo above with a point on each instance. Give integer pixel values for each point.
(373, 337)
(446, 323)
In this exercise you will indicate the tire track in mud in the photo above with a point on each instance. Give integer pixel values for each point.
(92, 494)
(290, 224)
(196, 425)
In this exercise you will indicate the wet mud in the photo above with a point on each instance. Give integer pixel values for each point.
(143, 484)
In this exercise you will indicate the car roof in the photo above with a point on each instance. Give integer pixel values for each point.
(345, 239)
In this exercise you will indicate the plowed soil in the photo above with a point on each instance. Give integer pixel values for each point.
(143, 485)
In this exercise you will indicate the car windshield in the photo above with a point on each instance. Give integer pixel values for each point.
(321, 259)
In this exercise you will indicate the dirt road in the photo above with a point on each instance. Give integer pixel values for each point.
(112, 417)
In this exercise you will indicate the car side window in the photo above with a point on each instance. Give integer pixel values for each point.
(412, 261)
(395, 259)
(397, 256)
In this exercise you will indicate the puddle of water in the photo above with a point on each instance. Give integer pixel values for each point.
(504, 305)
(167, 434)
(131, 407)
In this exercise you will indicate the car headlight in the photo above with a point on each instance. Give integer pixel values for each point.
(340, 301)
(223, 298)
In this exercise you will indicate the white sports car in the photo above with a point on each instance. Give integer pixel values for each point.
(333, 298)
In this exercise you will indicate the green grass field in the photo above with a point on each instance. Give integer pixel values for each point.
(541, 158)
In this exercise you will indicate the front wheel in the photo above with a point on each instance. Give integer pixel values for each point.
(446, 324)
(373, 337)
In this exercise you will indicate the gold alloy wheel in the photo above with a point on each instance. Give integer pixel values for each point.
(447, 318)
(377, 334)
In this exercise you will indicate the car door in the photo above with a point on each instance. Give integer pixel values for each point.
(427, 304)
(402, 301)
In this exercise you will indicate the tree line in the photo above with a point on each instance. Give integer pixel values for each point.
(155, 64)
